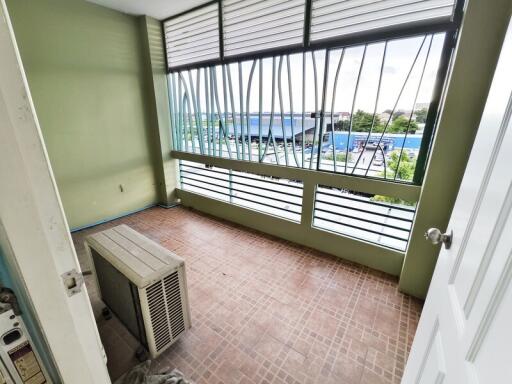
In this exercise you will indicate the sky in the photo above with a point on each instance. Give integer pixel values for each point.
(400, 56)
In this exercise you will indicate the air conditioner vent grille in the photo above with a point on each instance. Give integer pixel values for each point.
(175, 308)
(157, 313)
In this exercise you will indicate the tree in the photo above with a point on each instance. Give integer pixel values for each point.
(397, 114)
(404, 171)
(361, 122)
(402, 125)
(421, 115)
(340, 156)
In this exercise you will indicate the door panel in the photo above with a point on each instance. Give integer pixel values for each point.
(464, 332)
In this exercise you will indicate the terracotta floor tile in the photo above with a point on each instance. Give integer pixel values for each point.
(267, 311)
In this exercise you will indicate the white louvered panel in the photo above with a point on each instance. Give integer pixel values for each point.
(332, 18)
(158, 315)
(193, 37)
(255, 25)
(174, 304)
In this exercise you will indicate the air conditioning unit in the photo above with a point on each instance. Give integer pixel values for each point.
(19, 361)
(143, 284)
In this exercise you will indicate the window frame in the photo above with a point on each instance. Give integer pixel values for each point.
(450, 28)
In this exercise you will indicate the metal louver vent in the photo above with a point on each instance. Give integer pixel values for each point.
(193, 37)
(255, 25)
(334, 18)
(174, 304)
(158, 315)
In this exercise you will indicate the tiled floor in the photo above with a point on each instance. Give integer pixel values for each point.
(268, 311)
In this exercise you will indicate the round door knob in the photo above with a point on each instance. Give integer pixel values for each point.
(436, 237)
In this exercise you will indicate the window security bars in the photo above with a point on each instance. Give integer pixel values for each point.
(356, 110)
(277, 197)
(377, 219)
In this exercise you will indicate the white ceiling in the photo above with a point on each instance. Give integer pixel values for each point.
(159, 9)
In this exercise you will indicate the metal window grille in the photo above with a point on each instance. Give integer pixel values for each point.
(376, 219)
(275, 196)
(308, 109)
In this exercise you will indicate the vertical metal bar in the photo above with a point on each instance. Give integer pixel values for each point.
(230, 178)
(322, 115)
(171, 110)
(221, 30)
(248, 99)
(307, 22)
(183, 135)
(377, 98)
(431, 120)
(185, 114)
(281, 107)
(335, 86)
(176, 112)
(208, 116)
(303, 104)
(260, 108)
(316, 110)
(413, 106)
(199, 111)
(396, 104)
(189, 110)
(199, 118)
(292, 122)
(271, 123)
(194, 105)
(354, 104)
(241, 95)
(212, 111)
(235, 130)
(222, 124)
(226, 107)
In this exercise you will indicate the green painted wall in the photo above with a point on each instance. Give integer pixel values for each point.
(481, 37)
(86, 70)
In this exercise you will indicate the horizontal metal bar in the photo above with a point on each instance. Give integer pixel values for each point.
(240, 190)
(374, 186)
(361, 229)
(243, 198)
(366, 202)
(239, 183)
(247, 177)
(363, 210)
(366, 221)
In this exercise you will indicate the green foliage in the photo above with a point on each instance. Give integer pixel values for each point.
(362, 122)
(397, 114)
(340, 156)
(401, 125)
(403, 171)
(421, 115)
(392, 200)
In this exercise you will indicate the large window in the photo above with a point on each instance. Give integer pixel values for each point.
(359, 110)
(343, 87)
(348, 87)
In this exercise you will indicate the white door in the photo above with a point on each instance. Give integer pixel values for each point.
(465, 330)
(33, 229)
